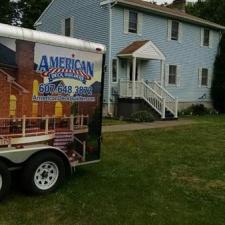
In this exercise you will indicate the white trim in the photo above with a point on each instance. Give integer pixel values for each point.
(126, 21)
(169, 30)
(140, 24)
(106, 2)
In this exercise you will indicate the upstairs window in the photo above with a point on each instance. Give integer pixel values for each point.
(206, 37)
(133, 22)
(172, 75)
(175, 30)
(68, 27)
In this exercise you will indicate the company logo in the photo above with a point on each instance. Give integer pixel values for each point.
(57, 68)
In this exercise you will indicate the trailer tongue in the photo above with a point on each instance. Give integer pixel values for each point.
(50, 107)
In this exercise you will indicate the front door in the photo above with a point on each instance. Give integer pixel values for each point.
(130, 71)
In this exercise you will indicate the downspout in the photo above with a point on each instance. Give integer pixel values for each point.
(110, 57)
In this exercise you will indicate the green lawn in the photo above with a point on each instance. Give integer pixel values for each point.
(109, 122)
(172, 176)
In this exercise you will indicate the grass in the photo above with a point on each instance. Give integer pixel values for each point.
(109, 122)
(168, 176)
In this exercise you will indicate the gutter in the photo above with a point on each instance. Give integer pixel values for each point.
(111, 4)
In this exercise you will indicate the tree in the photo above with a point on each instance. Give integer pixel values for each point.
(31, 10)
(212, 10)
(218, 84)
(6, 12)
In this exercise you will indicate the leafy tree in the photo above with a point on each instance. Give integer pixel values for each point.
(218, 84)
(31, 10)
(212, 10)
(6, 12)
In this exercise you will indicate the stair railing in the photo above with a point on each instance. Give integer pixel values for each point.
(170, 101)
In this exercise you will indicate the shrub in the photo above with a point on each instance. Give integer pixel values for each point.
(196, 110)
(142, 116)
(218, 84)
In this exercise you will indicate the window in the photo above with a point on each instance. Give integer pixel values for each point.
(205, 74)
(58, 109)
(114, 70)
(172, 74)
(175, 30)
(133, 22)
(12, 105)
(35, 88)
(68, 27)
(35, 109)
(206, 37)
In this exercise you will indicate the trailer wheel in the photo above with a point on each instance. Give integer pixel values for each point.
(43, 173)
(5, 180)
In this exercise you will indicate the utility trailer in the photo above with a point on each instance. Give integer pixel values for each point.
(50, 107)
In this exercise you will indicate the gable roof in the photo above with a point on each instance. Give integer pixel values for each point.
(167, 12)
(143, 50)
(132, 47)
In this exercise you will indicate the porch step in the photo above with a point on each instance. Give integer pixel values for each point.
(62, 139)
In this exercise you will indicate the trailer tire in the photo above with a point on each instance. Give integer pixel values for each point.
(43, 173)
(5, 180)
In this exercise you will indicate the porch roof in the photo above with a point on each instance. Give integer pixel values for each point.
(142, 49)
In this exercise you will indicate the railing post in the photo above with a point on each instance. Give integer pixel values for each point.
(24, 126)
(71, 122)
(82, 120)
(46, 124)
(176, 108)
(164, 109)
(84, 150)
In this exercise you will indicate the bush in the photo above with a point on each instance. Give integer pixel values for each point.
(196, 110)
(218, 84)
(142, 116)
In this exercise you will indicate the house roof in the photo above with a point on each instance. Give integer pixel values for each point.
(142, 49)
(132, 47)
(168, 12)
(7, 56)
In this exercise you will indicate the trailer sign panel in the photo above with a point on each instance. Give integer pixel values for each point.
(51, 95)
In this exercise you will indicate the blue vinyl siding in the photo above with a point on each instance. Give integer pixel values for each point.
(90, 21)
(188, 54)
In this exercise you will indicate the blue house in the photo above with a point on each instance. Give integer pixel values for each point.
(158, 56)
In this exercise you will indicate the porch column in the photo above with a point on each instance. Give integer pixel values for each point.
(133, 77)
(162, 68)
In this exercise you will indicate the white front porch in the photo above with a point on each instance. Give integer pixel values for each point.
(135, 86)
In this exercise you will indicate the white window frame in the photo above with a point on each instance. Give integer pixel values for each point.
(63, 26)
(210, 38)
(178, 75)
(209, 78)
(180, 31)
(127, 22)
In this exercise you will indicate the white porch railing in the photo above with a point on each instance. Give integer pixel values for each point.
(154, 94)
(27, 126)
(171, 101)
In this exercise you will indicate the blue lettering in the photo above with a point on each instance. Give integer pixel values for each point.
(90, 68)
(43, 64)
(54, 62)
(62, 62)
(77, 65)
